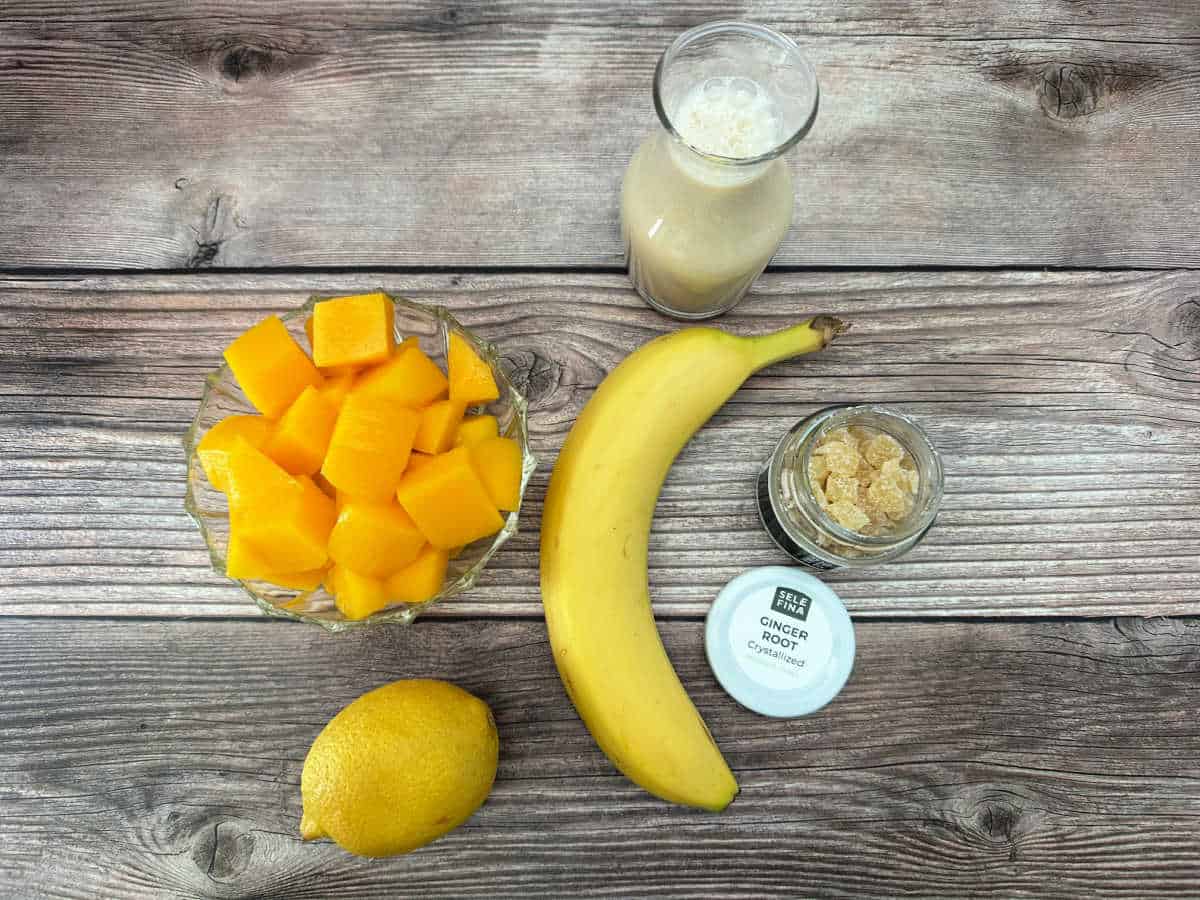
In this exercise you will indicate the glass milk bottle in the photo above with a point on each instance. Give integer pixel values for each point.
(707, 198)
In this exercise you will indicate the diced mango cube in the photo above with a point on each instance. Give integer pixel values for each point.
(410, 378)
(374, 539)
(213, 449)
(416, 462)
(471, 379)
(370, 446)
(244, 564)
(498, 462)
(421, 579)
(254, 480)
(475, 429)
(328, 371)
(336, 388)
(448, 501)
(291, 534)
(439, 424)
(358, 595)
(270, 366)
(353, 331)
(302, 436)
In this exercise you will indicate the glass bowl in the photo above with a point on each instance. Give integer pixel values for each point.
(222, 397)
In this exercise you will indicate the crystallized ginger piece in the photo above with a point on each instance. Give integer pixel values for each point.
(880, 520)
(841, 458)
(862, 435)
(889, 497)
(914, 480)
(882, 448)
(848, 515)
(841, 487)
(819, 493)
(841, 435)
(818, 469)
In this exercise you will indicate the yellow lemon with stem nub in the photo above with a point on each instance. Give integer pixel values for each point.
(399, 767)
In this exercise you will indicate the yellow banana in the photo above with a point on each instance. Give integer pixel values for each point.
(595, 531)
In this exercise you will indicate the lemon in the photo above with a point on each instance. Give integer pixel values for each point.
(400, 766)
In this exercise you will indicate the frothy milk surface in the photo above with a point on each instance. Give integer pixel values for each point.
(732, 117)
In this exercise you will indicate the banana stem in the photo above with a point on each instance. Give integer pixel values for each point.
(807, 337)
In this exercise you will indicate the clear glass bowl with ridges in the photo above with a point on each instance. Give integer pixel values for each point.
(222, 397)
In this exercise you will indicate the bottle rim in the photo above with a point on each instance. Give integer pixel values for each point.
(750, 29)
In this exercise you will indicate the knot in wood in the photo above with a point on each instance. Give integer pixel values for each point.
(1069, 92)
(223, 850)
(1164, 359)
(211, 231)
(1183, 328)
(244, 62)
(996, 819)
(532, 374)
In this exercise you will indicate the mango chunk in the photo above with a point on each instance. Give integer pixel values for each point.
(498, 462)
(471, 379)
(358, 595)
(475, 429)
(370, 446)
(375, 539)
(255, 481)
(353, 331)
(329, 371)
(416, 462)
(448, 501)
(302, 436)
(421, 579)
(292, 533)
(244, 564)
(213, 449)
(439, 424)
(270, 367)
(410, 378)
(336, 388)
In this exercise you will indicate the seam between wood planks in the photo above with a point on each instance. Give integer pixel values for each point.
(59, 273)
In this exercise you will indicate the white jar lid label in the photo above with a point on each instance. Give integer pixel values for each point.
(780, 641)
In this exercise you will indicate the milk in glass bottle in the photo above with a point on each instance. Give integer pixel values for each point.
(707, 198)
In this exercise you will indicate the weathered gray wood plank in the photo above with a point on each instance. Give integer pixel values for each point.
(152, 759)
(151, 134)
(1066, 406)
(1119, 20)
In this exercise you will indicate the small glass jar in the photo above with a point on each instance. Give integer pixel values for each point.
(794, 518)
(707, 199)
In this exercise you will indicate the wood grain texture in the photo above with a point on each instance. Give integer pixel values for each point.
(1000, 760)
(142, 134)
(1066, 407)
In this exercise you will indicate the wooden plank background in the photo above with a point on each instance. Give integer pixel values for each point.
(1065, 406)
(145, 134)
(991, 742)
(963, 759)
